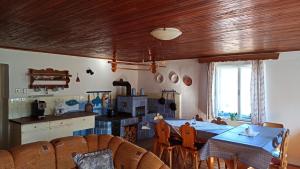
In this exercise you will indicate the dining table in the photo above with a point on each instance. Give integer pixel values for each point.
(227, 142)
(255, 149)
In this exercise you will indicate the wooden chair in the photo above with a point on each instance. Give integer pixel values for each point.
(282, 162)
(190, 144)
(198, 118)
(219, 121)
(272, 125)
(163, 133)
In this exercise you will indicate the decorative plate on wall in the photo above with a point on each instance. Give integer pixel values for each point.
(173, 77)
(187, 80)
(159, 78)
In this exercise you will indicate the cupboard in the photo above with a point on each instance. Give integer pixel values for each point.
(49, 130)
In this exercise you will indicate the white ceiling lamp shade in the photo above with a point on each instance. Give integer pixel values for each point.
(166, 33)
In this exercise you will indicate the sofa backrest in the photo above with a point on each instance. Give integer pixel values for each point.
(34, 156)
(65, 148)
(147, 161)
(128, 156)
(58, 154)
(6, 160)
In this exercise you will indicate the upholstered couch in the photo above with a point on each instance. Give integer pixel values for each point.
(58, 153)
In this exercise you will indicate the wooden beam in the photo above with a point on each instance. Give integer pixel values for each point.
(240, 57)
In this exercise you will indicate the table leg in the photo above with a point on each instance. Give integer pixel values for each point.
(210, 162)
(235, 162)
(155, 146)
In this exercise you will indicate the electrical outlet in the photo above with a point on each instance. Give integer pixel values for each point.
(17, 90)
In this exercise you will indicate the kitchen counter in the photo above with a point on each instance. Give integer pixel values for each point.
(31, 120)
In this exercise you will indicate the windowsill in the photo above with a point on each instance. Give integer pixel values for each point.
(236, 122)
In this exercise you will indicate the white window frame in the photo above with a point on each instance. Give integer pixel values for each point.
(238, 65)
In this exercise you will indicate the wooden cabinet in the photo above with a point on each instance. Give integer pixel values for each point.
(61, 128)
(34, 132)
(84, 122)
(47, 131)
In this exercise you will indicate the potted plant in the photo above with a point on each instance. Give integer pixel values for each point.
(233, 116)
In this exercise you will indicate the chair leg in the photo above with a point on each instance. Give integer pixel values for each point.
(186, 153)
(200, 164)
(181, 151)
(170, 152)
(155, 145)
(219, 166)
(210, 162)
(229, 163)
(196, 160)
(161, 150)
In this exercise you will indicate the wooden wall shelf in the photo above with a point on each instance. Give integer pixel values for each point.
(49, 78)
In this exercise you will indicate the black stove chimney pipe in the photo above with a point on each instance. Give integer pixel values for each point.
(123, 83)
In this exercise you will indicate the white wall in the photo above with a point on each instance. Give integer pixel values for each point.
(193, 98)
(283, 97)
(283, 79)
(20, 61)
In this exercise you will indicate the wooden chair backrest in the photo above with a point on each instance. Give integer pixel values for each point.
(163, 132)
(188, 135)
(198, 118)
(273, 125)
(283, 150)
(219, 121)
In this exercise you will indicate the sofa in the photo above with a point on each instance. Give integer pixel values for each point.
(58, 153)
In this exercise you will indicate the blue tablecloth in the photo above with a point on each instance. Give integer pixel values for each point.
(204, 129)
(254, 151)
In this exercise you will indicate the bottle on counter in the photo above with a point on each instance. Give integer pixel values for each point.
(89, 106)
(142, 92)
(133, 92)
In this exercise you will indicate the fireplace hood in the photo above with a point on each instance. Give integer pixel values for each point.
(123, 83)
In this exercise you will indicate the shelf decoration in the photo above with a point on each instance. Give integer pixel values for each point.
(187, 80)
(49, 78)
(77, 78)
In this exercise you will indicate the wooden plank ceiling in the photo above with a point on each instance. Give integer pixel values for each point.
(94, 28)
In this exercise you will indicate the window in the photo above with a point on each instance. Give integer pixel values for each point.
(232, 90)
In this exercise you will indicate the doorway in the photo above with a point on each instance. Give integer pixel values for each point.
(4, 95)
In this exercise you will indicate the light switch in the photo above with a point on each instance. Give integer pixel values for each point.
(17, 90)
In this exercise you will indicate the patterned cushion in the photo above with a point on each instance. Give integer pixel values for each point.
(95, 160)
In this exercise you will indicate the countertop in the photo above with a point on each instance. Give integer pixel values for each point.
(31, 120)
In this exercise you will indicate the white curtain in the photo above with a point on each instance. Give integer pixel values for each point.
(210, 91)
(258, 114)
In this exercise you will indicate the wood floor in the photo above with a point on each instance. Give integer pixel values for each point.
(177, 161)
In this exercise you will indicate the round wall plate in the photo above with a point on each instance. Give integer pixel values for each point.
(187, 80)
(159, 78)
(174, 78)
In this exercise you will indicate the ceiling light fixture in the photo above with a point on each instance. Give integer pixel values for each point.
(166, 33)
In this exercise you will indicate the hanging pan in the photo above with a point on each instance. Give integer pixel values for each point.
(162, 100)
(173, 104)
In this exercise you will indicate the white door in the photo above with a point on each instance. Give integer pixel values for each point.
(4, 92)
